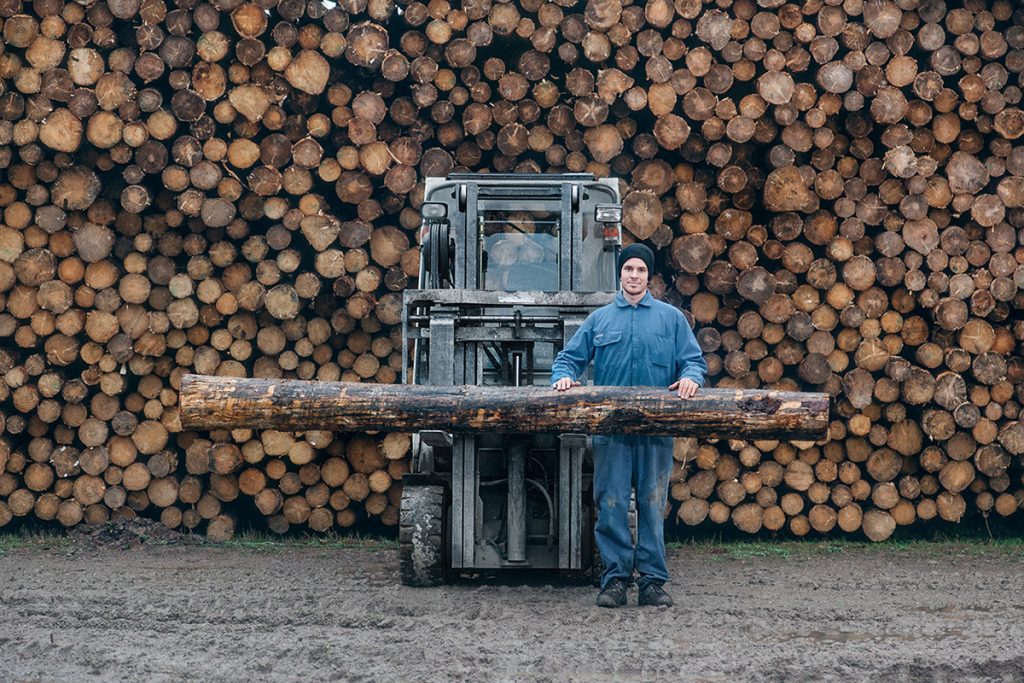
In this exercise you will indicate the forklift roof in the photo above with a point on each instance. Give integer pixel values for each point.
(523, 177)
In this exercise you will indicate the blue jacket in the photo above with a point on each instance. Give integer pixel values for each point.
(650, 344)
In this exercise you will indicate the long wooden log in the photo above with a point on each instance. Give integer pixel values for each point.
(229, 403)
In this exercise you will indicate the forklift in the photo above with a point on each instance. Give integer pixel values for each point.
(510, 266)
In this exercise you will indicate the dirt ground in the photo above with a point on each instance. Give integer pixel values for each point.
(139, 608)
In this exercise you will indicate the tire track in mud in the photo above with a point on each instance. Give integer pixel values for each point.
(206, 613)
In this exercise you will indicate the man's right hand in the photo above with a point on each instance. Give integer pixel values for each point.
(565, 384)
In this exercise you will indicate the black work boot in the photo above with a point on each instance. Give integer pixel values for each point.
(654, 595)
(613, 595)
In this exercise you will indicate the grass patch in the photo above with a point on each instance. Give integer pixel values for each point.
(748, 549)
(263, 542)
(970, 545)
(940, 543)
(37, 540)
(247, 540)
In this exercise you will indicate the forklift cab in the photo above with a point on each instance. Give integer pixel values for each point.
(511, 265)
(520, 232)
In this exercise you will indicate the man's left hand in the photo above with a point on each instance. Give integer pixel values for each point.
(686, 388)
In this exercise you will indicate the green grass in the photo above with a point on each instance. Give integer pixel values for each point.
(255, 541)
(264, 542)
(717, 548)
(969, 545)
(743, 549)
(1008, 547)
(38, 540)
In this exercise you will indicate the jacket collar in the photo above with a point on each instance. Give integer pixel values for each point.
(647, 300)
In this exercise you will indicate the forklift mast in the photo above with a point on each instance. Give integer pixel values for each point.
(510, 266)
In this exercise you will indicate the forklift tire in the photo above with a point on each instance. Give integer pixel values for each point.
(421, 536)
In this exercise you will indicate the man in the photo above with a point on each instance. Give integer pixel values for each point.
(633, 341)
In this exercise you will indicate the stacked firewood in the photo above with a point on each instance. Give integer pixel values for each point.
(834, 189)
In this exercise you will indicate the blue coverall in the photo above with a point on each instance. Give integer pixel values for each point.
(649, 344)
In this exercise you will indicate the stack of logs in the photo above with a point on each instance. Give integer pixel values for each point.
(834, 189)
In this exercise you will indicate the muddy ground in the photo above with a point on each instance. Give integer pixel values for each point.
(96, 609)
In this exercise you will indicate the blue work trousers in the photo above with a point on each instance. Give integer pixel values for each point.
(622, 463)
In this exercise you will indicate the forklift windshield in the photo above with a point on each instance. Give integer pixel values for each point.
(521, 233)
(519, 248)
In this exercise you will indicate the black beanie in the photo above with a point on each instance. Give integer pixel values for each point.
(640, 251)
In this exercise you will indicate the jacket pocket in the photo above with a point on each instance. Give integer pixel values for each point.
(608, 352)
(661, 350)
(607, 338)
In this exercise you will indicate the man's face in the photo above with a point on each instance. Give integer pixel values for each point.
(634, 276)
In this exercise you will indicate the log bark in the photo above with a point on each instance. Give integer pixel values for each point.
(218, 403)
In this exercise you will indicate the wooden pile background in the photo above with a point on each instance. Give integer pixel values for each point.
(835, 189)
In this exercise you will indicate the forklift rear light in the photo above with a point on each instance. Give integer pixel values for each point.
(613, 233)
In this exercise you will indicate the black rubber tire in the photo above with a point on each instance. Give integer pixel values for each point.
(421, 534)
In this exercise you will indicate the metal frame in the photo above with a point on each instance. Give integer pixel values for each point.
(457, 326)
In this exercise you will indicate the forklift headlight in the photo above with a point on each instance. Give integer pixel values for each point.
(608, 213)
(434, 210)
